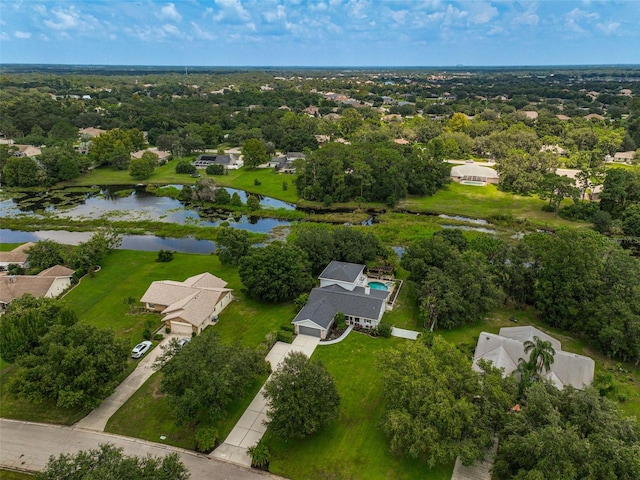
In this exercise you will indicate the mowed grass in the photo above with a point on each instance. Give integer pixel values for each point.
(242, 179)
(352, 446)
(12, 475)
(149, 415)
(485, 202)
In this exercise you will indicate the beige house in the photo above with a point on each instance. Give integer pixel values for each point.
(506, 349)
(48, 283)
(189, 306)
(18, 256)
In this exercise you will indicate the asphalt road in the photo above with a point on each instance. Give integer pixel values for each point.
(28, 446)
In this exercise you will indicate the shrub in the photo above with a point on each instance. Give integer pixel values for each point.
(253, 203)
(286, 337)
(257, 182)
(328, 200)
(341, 322)
(158, 337)
(285, 185)
(384, 329)
(146, 334)
(206, 439)
(287, 328)
(185, 166)
(215, 170)
(164, 256)
(260, 456)
(167, 330)
(301, 300)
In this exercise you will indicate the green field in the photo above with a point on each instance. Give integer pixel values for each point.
(485, 202)
(352, 446)
(11, 475)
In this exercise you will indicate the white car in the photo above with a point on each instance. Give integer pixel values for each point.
(140, 349)
(183, 341)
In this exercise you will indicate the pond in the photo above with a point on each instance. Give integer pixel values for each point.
(134, 203)
(129, 242)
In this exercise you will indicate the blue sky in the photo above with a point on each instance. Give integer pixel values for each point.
(320, 32)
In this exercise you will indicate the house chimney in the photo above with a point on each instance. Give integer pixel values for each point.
(367, 290)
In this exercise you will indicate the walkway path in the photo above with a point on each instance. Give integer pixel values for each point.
(98, 418)
(340, 338)
(28, 446)
(250, 428)
(479, 470)
(402, 333)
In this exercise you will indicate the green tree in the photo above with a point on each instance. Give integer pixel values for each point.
(26, 320)
(74, 365)
(254, 153)
(253, 203)
(302, 397)
(109, 462)
(556, 188)
(522, 172)
(275, 273)
(317, 242)
(112, 148)
(204, 380)
(231, 245)
(568, 435)
(437, 406)
(45, 254)
(140, 168)
(23, 172)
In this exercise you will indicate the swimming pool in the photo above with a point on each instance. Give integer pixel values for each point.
(378, 286)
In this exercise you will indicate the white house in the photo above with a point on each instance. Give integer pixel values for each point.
(188, 307)
(471, 173)
(18, 256)
(506, 349)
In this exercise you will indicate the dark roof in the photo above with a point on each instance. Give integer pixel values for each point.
(215, 159)
(325, 302)
(342, 271)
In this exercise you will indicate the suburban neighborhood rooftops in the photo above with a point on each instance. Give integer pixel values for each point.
(14, 286)
(195, 308)
(342, 271)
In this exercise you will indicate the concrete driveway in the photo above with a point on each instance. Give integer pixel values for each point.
(28, 446)
(98, 418)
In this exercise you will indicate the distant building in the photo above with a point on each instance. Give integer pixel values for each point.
(473, 174)
(48, 283)
(230, 161)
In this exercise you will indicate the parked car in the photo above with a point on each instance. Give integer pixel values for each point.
(183, 341)
(140, 349)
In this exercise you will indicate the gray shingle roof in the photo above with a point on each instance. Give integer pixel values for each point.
(342, 271)
(325, 302)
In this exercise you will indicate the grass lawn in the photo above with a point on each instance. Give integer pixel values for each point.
(11, 475)
(485, 202)
(352, 447)
(242, 179)
(148, 415)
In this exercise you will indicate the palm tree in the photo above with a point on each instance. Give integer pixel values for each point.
(541, 354)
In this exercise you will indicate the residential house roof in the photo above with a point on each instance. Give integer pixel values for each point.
(17, 255)
(342, 271)
(205, 159)
(26, 151)
(473, 170)
(14, 286)
(160, 153)
(196, 308)
(91, 131)
(506, 350)
(325, 302)
(624, 155)
(592, 116)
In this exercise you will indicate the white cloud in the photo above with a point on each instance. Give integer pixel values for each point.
(279, 14)
(609, 27)
(575, 19)
(201, 34)
(481, 12)
(4, 36)
(61, 19)
(22, 35)
(528, 17)
(358, 8)
(41, 9)
(172, 30)
(231, 9)
(398, 16)
(169, 12)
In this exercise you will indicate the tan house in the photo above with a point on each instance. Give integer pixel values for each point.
(26, 151)
(18, 256)
(48, 283)
(162, 155)
(189, 306)
(91, 132)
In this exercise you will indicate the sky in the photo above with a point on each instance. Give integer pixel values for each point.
(320, 32)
